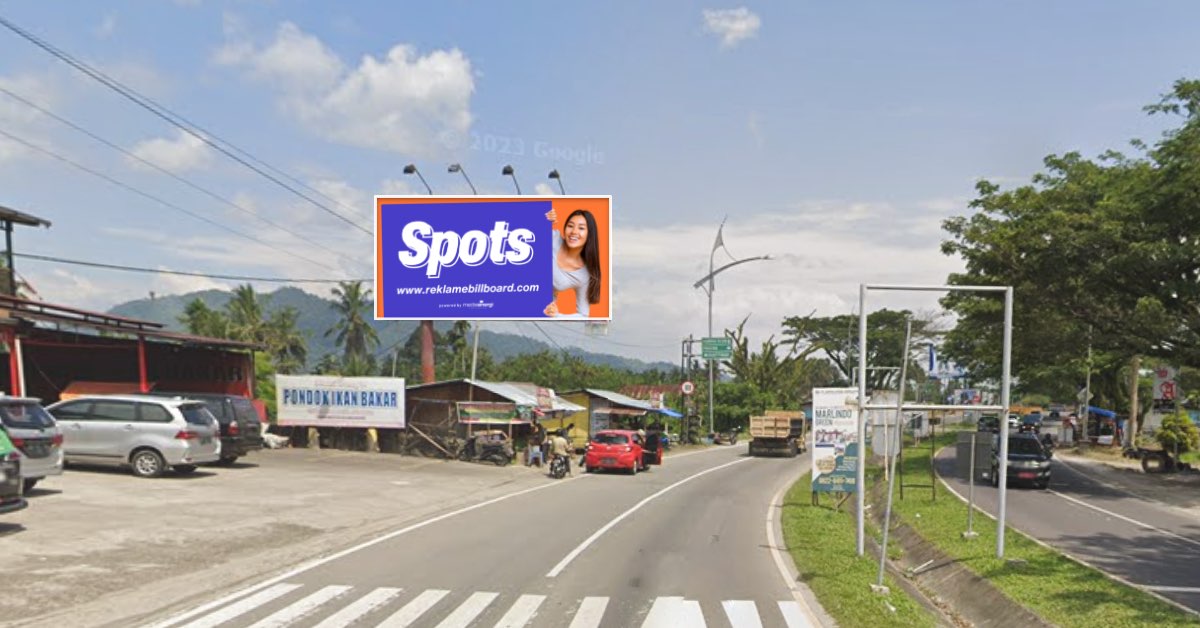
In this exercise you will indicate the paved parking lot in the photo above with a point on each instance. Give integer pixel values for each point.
(95, 542)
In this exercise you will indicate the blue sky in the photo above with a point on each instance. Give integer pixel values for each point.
(835, 136)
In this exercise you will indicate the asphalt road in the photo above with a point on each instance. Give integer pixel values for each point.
(682, 545)
(1144, 542)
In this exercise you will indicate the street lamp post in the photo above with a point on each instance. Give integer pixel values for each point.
(508, 171)
(708, 289)
(475, 349)
(412, 169)
(428, 372)
(458, 168)
(557, 177)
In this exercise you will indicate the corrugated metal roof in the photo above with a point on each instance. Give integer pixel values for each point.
(521, 394)
(620, 399)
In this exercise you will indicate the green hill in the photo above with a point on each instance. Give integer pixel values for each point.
(316, 315)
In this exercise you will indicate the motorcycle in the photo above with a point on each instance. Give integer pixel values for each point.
(558, 467)
(490, 447)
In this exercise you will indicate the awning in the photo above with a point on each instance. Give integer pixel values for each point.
(671, 413)
(620, 411)
(1102, 412)
(80, 388)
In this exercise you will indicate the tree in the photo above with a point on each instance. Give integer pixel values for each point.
(353, 330)
(202, 320)
(285, 343)
(1178, 434)
(245, 312)
(837, 338)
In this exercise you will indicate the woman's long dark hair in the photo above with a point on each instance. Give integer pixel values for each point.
(591, 253)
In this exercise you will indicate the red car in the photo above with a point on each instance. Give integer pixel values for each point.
(621, 449)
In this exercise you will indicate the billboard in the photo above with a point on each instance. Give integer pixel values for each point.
(835, 440)
(493, 257)
(330, 401)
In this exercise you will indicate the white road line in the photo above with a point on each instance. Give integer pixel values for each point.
(672, 612)
(301, 609)
(521, 612)
(590, 613)
(243, 607)
(1174, 589)
(199, 610)
(742, 613)
(414, 609)
(562, 564)
(1144, 526)
(793, 616)
(468, 611)
(777, 552)
(364, 605)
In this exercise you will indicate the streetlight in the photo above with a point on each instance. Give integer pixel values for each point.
(412, 169)
(557, 177)
(708, 289)
(427, 368)
(459, 168)
(508, 170)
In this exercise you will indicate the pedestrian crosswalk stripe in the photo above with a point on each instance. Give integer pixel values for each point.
(468, 610)
(590, 612)
(521, 612)
(302, 608)
(742, 613)
(414, 609)
(240, 608)
(363, 606)
(671, 612)
(793, 615)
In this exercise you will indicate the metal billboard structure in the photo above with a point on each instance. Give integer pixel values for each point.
(863, 406)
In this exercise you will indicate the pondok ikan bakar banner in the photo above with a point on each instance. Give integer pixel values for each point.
(498, 257)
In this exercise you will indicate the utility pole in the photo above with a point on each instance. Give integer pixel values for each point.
(1135, 368)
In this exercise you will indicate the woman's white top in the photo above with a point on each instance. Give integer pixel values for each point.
(576, 280)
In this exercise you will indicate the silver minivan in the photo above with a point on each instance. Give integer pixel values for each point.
(149, 434)
(34, 433)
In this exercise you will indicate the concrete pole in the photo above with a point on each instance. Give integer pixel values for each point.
(1005, 402)
(1135, 367)
(861, 464)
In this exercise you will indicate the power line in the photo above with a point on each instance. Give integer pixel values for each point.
(163, 271)
(182, 180)
(161, 201)
(172, 118)
(539, 328)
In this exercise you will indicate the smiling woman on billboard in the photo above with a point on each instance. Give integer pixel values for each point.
(576, 262)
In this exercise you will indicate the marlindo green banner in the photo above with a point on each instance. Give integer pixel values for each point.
(835, 440)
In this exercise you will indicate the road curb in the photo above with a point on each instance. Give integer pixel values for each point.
(783, 558)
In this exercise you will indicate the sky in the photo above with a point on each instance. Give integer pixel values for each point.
(834, 137)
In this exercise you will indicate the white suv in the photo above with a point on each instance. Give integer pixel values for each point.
(146, 433)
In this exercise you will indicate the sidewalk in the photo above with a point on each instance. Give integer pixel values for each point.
(1181, 490)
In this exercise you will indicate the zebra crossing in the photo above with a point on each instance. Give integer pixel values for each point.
(339, 606)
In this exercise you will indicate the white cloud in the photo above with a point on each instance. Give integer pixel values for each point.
(181, 153)
(732, 25)
(19, 119)
(404, 102)
(107, 26)
(544, 189)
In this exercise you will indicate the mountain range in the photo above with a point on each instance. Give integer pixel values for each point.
(316, 315)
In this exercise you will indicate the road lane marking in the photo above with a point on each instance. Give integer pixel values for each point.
(468, 611)
(204, 608)
(608, 526)
(1144, 526)
(777, 545)
(243, 607)
(793, 615)
(414, 609)
(590, 613)
(301, 609)
(363, 606)
(521, 612)
(742, 613)
(672, 612)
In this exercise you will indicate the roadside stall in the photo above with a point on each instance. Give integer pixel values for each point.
(1103, 427)
(605, 409)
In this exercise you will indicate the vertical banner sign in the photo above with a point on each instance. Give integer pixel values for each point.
(835, 440)
(498, 258)
(1164, 383)
(324, 401)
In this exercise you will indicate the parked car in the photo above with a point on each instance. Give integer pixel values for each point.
(10, 477)
(35, 434)
(241, 429)
(620, 449)
(146, 433)
(988, 423)
(1014, 420)
(1028, 461)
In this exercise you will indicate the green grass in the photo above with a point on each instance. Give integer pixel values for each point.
(1060, 590)
(822, 542)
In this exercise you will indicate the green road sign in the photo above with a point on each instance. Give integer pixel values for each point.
(716, 348)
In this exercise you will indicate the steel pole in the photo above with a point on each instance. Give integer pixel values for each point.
(971, 489)
(711, 286)
(890, 457)
(860, 463)
(1006, 402)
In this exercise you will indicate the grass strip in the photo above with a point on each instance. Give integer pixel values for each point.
(1062, 591)
(822, 543)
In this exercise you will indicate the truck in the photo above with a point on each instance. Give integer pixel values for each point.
(778, 432)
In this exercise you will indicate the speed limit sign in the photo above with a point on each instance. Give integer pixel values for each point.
(687, 388)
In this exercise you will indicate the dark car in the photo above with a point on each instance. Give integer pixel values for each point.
(1028, 461)
(241, 431)
(1032, 422)
(989, 423)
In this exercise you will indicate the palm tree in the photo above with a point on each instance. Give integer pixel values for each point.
(286, 344)
(245, 312)
(202, 320)
(354, 332)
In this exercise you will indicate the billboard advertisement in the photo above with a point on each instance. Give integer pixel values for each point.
(499, 258)
(835, 440)
(330, 401)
